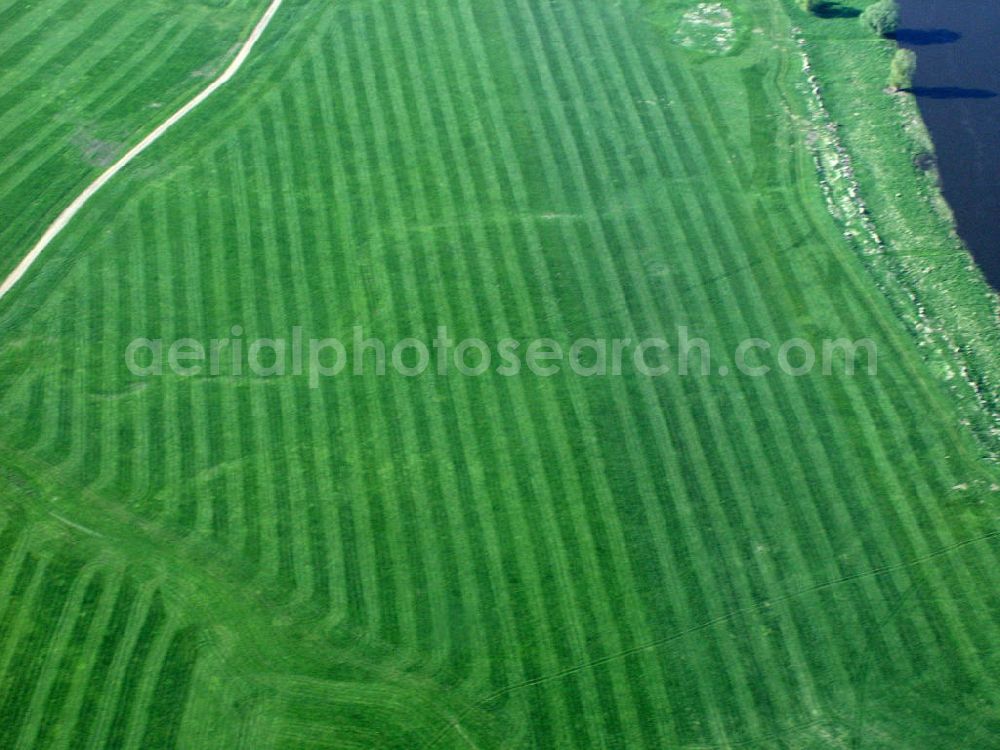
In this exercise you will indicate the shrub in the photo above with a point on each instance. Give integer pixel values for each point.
(882, 17)
(904, 65)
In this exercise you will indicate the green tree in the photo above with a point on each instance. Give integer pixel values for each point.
(904, 65)
(882, 17)
(811, 6)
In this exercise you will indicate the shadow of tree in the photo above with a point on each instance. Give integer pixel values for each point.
(836, 10)
(922, 37)
(951, 92)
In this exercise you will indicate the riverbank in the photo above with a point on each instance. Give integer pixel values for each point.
(925, 270)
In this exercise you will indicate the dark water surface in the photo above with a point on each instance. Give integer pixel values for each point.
(958, 88)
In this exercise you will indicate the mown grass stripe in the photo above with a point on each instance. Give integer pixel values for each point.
(109, 633)
(148, 463)
(48, 607)
(230, 522)
(886, 462)
(22, 578)
(172, 689)
(130, 680)
(100, 19)
(17, 576)
(282, 478)
(79, 445)
(584, 533)
(369, 499)
(395, 602)
(252, 424)
(509, 160)
(357, 562)
(29, 130)
(133, 464)
(190, 451)
(51, 695)
(904, 482)
(671, 294)
(182, 505)
(586, 179)
(313, 527)
(116, 665)
(170, 428)
(214, 291)
(17, 20)
(188, 267)
(413, 208)
(460, 235)
(446, 124)
(416, 96)
(719, 439)
(58, 444)
(89, 385)
(310, 107)
(428, 250)
(110, 376)
(806, 471)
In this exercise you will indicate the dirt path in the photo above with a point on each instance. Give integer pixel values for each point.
(81, 200)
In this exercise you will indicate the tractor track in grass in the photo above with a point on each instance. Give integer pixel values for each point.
(63, 220)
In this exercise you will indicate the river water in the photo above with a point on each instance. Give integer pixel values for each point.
(958, 89)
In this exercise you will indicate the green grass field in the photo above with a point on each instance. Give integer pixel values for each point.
(450, 562)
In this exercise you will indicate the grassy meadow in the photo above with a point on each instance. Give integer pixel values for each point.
(715, 561)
